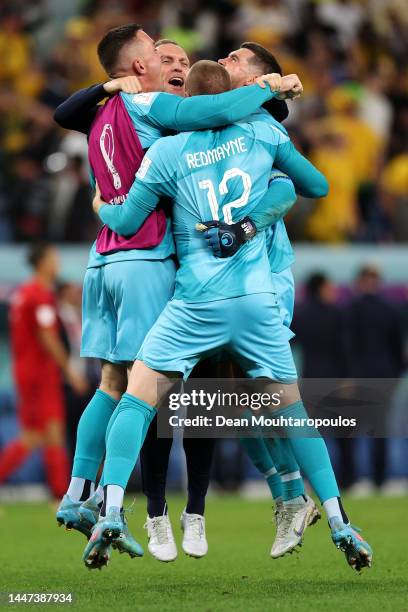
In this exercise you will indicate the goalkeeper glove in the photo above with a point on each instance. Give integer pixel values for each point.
(224, 240)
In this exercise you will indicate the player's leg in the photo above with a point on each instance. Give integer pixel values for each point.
(31, 437)
(258, 452)
(55, 454)
(154, 460)
(123, 444)
(98, 339)
(15, 452)
(264, 351)
(90, 448)
(280, 450)
(199, 455)
(173, 344)
(136, 308)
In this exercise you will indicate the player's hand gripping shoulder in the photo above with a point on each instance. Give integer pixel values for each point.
(225, 240)
(127, 84)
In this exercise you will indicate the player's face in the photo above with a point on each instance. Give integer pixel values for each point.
(174, 68)
(237, 66)
(151, 60)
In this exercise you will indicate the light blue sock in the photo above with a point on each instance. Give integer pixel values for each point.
(90, 445)
(285, 462)
(125, 439)
(258, 453)
(310, 453)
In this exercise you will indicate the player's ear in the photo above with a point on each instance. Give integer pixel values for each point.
(138, 66)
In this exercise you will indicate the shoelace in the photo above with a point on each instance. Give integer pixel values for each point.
(279, 515)
(195, 524)
(287, 515)
(160, 528)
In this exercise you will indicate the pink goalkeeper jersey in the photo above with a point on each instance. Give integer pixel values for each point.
(115, 154)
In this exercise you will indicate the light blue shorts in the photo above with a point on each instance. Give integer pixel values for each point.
(284, 285)
(121, 301)
(248, 327)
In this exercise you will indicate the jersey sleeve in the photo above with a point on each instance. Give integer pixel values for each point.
(172, 112)
(276, 202)
(309, 182)
(154, 179)
(45, 314)
(79, 110)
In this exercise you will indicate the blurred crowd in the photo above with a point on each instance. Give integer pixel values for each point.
(352, 120)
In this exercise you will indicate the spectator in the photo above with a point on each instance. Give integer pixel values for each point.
(375, 350)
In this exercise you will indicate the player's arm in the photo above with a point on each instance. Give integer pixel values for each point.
(308, 180)
(203, 112)
(127, 218)
(154, 179)
(79, 110)
(51, 342)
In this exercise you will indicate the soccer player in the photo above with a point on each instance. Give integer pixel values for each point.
(213, 173)
(287, 485)
(78, 113)
(115, 314)
(40, 361)
(274, 458)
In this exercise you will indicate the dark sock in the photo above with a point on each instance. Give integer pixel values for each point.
(343, 513)
(86, 491)
(199, 454)
(154, 461)
(105, 496)
(156, 507)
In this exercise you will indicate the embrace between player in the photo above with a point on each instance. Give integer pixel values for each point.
(267, 203)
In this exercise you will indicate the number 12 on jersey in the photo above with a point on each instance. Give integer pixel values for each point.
(223, 189)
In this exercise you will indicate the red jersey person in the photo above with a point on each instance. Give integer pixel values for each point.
(40, 360)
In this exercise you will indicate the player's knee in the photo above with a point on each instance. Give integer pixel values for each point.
(147, 384)
(54, 435)
(282, 394)
(113, 379)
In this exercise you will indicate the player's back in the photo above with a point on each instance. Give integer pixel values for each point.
(221, 175)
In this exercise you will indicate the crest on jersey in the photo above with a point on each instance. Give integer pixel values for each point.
(107, 145)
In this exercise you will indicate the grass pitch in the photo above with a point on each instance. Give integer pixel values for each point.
(237, 573)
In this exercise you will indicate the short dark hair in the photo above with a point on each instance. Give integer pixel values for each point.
(315, 283)
(112, 43)
(37, 251)
(266, 61)
(207, 77)
(166, 41)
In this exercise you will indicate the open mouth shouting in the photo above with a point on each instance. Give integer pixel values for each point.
(176, 85)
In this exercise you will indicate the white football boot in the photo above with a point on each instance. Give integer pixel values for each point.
(194, 540)
(161, 540)
(292, 518)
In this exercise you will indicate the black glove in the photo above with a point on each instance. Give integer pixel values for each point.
(224, 240)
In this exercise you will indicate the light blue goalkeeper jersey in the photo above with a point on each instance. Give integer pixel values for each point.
(156, 114)
(219, 174)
